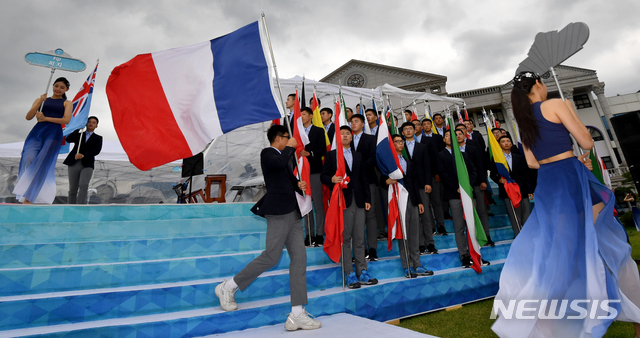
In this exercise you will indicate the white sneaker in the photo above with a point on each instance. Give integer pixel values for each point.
(303, 322)
(227, 297)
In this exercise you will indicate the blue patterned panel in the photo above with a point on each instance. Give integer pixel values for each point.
(14, 233)
(111, 212)
(59, 254)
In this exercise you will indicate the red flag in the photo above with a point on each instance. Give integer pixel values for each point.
(276, 122)
(334, 222)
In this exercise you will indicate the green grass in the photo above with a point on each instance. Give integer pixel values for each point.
(473, 321)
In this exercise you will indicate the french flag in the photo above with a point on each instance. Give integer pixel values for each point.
(169, 105)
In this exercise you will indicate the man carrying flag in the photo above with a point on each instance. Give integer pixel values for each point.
(356, 201)
(510, 171)
(284, 228)
(456, 172)
(81, 160)
(404, 204)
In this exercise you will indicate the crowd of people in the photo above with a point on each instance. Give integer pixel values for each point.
(431, 180)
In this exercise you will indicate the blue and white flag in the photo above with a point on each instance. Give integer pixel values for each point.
(81, 107)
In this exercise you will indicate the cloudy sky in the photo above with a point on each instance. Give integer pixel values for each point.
(474, 43)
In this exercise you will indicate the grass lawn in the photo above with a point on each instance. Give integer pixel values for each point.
(473, 321)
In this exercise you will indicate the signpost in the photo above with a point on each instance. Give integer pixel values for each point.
(54, 59)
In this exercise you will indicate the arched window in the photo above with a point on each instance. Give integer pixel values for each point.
(596, 135)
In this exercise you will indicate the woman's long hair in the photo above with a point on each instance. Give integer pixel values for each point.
(522, 108)
(66, 83)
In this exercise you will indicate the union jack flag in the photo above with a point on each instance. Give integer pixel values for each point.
(81, 107)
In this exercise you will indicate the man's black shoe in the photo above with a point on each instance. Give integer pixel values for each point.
(431, 249)
(485, 263)
(423, 250)
(319, 240)
(466, 261)
(373, 255)
(490, 243)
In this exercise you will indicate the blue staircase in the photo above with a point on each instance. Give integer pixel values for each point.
(151, 270)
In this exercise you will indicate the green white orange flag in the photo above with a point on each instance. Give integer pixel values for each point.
(599, 169)
(476, 237)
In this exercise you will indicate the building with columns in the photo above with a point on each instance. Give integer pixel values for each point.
(579, 85)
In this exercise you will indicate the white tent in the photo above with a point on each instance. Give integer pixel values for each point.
(114, 177)
(236, 154)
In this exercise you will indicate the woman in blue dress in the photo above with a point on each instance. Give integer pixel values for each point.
(36, 175)
(571, 252)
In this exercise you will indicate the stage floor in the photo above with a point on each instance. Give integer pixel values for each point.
(338, 325)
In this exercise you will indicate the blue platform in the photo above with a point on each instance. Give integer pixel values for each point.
(151, 270)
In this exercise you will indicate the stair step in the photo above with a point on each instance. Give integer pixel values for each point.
(42, 233)
(93, 276)
(405, 296)
(79, 253)
(123, 212)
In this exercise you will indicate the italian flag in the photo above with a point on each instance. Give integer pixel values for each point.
(476, 237)
(599, 169)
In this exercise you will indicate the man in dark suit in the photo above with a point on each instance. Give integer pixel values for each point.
(420, 159)
(357, 200)
(449, 175)
(435, 144)
(284, 227)
(365, 145)
(81, 162)
(519, 173)
(479, 185)
(314, 151)
(475, 135)
(326, 114)
(372, 120)
(413, 210)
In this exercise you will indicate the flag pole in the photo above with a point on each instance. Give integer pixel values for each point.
(275, 70)
(46, 91)
(514, 215)
(555, 78)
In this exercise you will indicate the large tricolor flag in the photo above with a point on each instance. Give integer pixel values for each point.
(81, 107)
(476, 237)
(389, 165)
(334, 222)
(495, 153)
(170, 104)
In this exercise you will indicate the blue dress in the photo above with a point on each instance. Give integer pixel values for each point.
(36, 175)
(562, 255)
